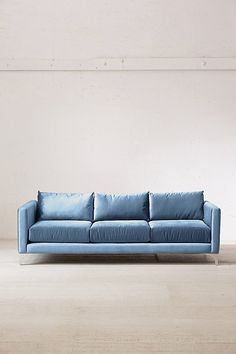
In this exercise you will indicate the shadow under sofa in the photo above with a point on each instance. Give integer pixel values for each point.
(96, 223)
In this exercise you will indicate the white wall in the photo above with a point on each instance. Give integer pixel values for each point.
(117, 131)
(39, 34)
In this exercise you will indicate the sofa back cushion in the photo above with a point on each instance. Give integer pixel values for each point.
(121, 207)
(65, 206)
(174, 206)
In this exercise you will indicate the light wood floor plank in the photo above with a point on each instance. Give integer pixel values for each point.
(117, 304)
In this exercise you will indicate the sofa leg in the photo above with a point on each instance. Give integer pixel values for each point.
(216, 259)
(156, 257)
(23, 259)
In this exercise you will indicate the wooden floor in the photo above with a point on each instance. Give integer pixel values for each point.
(117, 304)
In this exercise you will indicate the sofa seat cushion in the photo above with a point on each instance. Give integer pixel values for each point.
(182, 231)
(60, 231)
(120, 231)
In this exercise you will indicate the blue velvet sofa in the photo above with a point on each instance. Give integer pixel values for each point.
(95, 223)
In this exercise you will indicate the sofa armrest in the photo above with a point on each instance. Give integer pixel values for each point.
(212, 216)
(26, 217)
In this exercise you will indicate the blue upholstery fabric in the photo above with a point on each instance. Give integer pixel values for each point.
(118, 248)
(174, 206)
(212, 217)
(182, 231)
(65, 206)
(26, 217)
(120, 231)
(121, 207)
(60, 231)
(122, 236)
